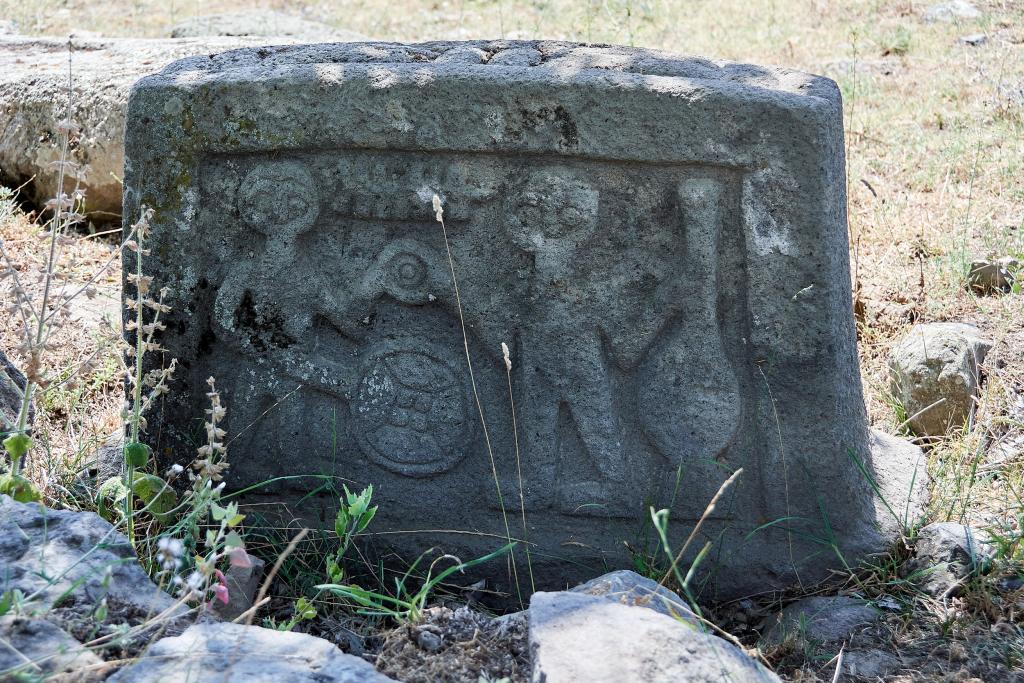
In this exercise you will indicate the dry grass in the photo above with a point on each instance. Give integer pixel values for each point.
(935, 146)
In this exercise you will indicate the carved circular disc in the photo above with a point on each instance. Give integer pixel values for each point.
(411, 410)
(279, 197)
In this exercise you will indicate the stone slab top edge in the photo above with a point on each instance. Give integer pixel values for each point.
(553, 60)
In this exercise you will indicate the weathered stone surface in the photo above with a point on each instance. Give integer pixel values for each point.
(995, 275)
(234, 653)
(576, 637)
(12, 391)
(34, 95)
(660, 241)
(821, 619)
(36, 647)
(44, 553)
(946, 554)
(630, 588)
(261, 22)
(935, 373)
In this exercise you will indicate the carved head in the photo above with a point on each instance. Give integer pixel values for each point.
(279, 199)
(556, 210)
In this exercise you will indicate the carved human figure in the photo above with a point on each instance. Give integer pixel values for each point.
(561, 348)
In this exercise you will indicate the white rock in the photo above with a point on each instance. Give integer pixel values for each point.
(576, 638)
(630, 588)
(935, 374)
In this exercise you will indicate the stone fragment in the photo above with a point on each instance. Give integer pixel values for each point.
(577, 637)
(234, 653)
(12, 391)
(630, 588)
(953, 10)
(47, 553)
(242, 583)
(33, 100)
(260, 22)
(870, 665)
(675, 297)
(946, 555)
(996, 275)
(821, 620)
(36, 648)
(974, 40)
(935, 372)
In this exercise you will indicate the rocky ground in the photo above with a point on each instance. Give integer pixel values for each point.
(934, 98)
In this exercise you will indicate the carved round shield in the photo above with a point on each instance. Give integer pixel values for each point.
(411, 410)
(279, 197)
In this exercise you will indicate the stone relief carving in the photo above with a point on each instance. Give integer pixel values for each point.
(602, 301)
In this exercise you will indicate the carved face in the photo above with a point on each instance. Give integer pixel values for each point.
(555, 211)
(279, 198)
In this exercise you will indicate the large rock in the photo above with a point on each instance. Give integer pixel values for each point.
(660, 241)
(576, 637)
(935, 373)
(630, 588)
(233, 653)
(52, 555)
(33, 101)
(31, 649)
(261, 22)
(947, 554)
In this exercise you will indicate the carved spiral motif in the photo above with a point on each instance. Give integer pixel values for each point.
(411, 412)
(279, 197)
(405, 276)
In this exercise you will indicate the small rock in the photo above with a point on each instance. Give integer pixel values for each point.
(428, 640)
(935, 374)
(577, 637)
(630, 588)
(946, 554)
(12, 389)
(953, 10)
(233, 653)
(35, 648)
(242, 583)
(821, 620)
(871, 665)
(76, 551)
(974, 39)
(998, 275)
(258, 22)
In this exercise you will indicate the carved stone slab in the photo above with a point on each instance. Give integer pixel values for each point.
(661, 242)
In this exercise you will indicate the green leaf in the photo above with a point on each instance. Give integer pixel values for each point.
(110, 494)
(217, 512)
(233, 540)
(236, 520)
(136, 454)
(6, 602)
(19, 488)
(17, 445)
(159, 498)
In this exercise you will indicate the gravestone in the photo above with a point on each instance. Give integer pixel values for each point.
(660, 242)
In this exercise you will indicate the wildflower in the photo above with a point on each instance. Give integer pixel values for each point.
(438, 211)
(508, 357)
(169, 552)
(220, 589)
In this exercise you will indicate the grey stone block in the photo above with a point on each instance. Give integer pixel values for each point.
(35, 648)
(660, 241)
(233, 653)
(821, 619)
